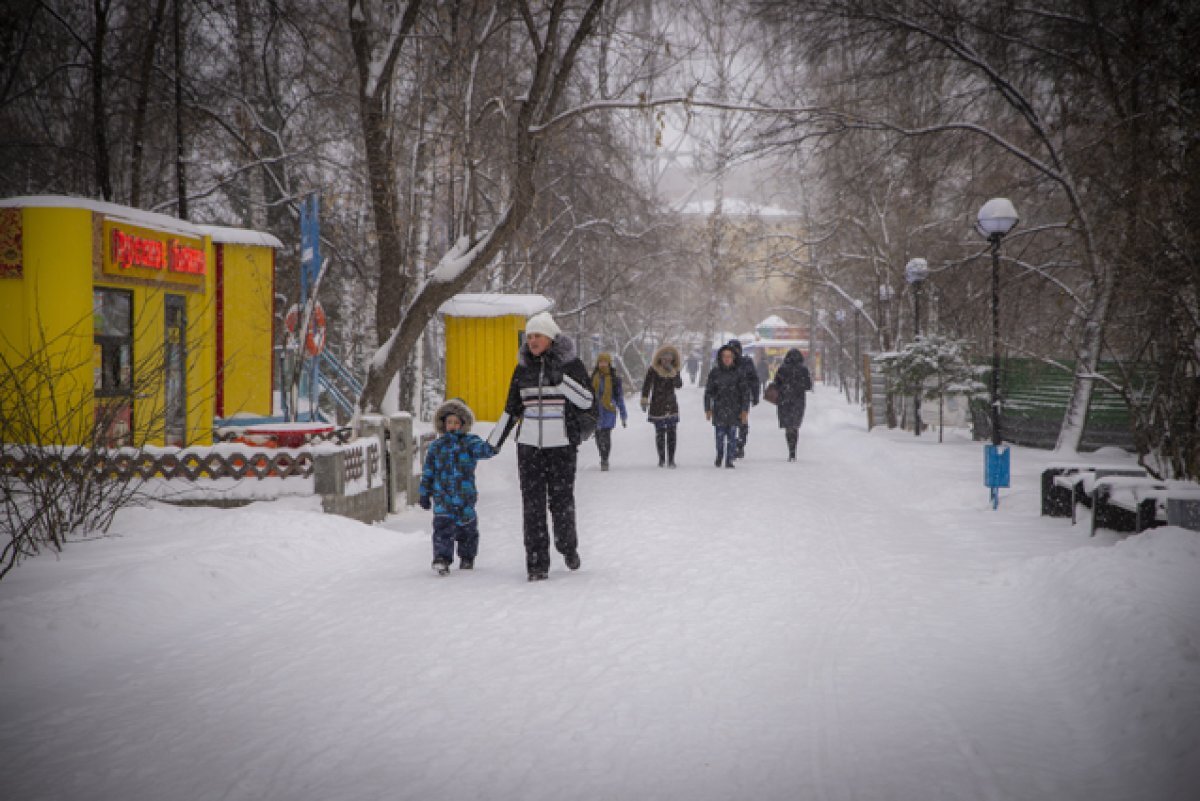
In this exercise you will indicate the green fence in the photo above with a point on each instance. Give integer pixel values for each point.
(1034, 399)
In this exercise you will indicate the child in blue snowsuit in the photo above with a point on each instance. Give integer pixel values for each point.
(448, 485)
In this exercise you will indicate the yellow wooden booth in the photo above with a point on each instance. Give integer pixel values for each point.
(128, 327)
(483, 336)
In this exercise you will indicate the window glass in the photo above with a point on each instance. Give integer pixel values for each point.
(112, 311)
(112, 361)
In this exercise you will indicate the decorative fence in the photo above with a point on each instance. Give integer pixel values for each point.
(364, 478)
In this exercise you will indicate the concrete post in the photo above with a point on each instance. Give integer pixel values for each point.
(400, 460)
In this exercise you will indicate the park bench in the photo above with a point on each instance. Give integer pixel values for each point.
(1134, 504)
(1064, 486)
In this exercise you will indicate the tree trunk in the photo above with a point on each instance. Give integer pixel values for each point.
(99, 122)
(137, 133)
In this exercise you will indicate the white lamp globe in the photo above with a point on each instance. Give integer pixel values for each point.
(916, 270)
(997, 217)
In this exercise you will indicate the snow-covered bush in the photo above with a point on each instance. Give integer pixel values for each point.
(934, 365)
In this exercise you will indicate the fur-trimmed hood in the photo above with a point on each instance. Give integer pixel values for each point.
(562, 350)
(667, 362)
(459, 409)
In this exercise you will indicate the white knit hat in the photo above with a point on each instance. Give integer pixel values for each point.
(542, 323)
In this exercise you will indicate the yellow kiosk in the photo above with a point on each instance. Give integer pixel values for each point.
(125, 327)
(483, 335)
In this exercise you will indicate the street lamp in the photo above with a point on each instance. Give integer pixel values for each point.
(915, 272)
(858, 307)
(995, 219)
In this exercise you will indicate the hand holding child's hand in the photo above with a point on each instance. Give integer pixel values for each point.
(424, 503)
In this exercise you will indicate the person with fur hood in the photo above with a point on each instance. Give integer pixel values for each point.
(659, 402)
(750, 374)
(606, 385)
(549, 391)
(448, 485)
(727, 402)
(792, 380)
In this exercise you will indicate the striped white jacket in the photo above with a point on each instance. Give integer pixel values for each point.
(543, 397)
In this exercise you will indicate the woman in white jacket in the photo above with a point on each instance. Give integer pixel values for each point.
(548, 391)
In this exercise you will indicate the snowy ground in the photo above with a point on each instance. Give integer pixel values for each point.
(858, 625)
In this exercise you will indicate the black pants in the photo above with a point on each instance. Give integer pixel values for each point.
(604, 442)
(793, 436)
(743, 433)
(547, 479)
(664, 440)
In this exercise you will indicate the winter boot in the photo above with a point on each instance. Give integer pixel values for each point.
(441, 568)
(604, 467)
(671, 448)
(660, 442)
(572, 560)
(538, 575)
(466, 564)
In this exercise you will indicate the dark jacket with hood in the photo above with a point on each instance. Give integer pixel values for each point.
(545, 394)
(746, 365)
(662, 379)
(793, 380)
(727, 392)
(448, 476)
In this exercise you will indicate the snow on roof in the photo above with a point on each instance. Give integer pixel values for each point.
(144, 219)
(239, 236)
(774, 321)
(494, 305)
(736, 207)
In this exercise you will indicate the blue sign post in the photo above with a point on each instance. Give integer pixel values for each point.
(310, 244)
(310, 269)
(996, 470)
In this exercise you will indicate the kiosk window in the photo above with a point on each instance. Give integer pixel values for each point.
(112, 371)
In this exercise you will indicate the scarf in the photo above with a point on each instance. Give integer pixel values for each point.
(602, 383)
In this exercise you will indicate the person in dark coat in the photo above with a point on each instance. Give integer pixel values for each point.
(750, 374)
(792, 380)
(606, 385)
(549, 388)
(659, 402)
(726, 402)
(764, 372)
(448, 485)
(693, 365)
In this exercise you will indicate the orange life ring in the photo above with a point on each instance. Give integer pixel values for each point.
(314, 341)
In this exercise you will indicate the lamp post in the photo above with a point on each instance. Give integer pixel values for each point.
(840, 317)
(995, 220)
(858, 307)
(915, 272)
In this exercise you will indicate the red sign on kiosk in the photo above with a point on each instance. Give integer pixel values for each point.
(148, 255)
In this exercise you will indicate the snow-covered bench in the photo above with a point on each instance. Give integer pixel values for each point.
(1125, 503)
(1064, 486)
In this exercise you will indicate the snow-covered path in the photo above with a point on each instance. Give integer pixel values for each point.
(857, 625)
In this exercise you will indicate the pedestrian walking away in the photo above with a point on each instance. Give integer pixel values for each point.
(792, 381)
(693, 365)
(607, 386)
(659, 401)
(726, 403)
(548, 394)
(448, 485)
(750, 375)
